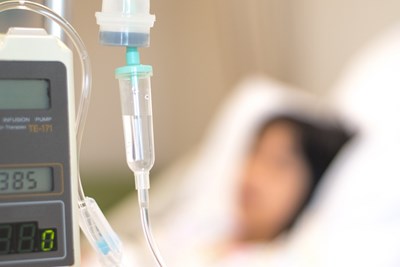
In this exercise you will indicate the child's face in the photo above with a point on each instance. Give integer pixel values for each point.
(275, 182)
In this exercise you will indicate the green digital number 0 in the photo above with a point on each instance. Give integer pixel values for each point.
(48, 240)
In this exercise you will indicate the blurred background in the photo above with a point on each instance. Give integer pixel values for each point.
(200, 50)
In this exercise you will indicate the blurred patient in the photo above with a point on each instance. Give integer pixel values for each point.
(282, 171)
(285, 163)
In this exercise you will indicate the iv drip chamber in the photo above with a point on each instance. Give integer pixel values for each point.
(135, 92)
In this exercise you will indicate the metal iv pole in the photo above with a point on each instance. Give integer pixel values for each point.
(63, 8)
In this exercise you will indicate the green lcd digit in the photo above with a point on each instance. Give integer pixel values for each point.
(5, 238)
(48, 240)
(26, 238)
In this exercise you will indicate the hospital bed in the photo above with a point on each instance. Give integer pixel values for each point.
(354, 219)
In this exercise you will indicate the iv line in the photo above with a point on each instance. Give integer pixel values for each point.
(143, 197)
(135, 90)
(127, 23)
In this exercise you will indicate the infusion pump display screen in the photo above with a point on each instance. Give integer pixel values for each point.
(37, 226)
(26, 237)
(26, 180)
(24, 94)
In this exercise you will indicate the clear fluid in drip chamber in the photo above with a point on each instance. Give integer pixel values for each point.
(139, 144)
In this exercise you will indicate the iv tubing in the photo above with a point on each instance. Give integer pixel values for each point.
(143, 197)
(142, 137)
(92, 221)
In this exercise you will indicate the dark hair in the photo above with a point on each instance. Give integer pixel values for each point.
(319, 143)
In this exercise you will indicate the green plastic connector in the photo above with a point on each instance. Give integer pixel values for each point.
(133, 68)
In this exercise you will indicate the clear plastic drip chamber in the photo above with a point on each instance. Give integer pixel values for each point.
(135, 92)
(125, 23)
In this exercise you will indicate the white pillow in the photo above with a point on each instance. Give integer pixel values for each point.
(208, 190)
(356, 220)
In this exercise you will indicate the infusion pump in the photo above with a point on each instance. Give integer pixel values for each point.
(38, 159)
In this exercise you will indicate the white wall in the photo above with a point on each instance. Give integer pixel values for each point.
(327, 33)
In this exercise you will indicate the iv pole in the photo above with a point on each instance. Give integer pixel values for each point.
(62, 8)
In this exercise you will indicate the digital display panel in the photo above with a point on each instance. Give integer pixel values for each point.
(26, 237)
(24, 94)
(26, 180)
